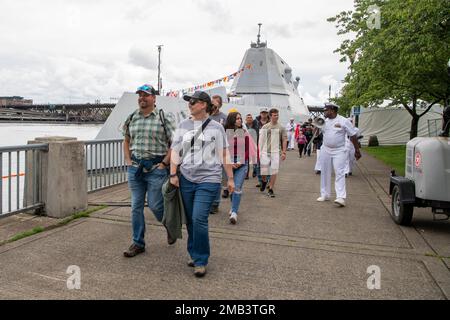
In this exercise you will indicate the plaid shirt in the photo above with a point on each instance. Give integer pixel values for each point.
(146, 134)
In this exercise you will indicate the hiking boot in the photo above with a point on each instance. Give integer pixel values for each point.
(133, 251)
(190, 263)
(199, 271)
(263, 186)
(214, 209)
(225, 193)
(233, 218)
(270, 193)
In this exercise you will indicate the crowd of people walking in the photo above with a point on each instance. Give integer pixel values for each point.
(209, 155)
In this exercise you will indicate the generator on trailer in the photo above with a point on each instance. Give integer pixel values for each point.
(427, 177)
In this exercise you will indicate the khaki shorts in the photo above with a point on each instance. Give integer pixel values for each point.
(270, 163)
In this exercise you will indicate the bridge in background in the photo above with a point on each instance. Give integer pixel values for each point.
(78, 113)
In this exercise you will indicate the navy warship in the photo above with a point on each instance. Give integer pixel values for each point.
(268, 83)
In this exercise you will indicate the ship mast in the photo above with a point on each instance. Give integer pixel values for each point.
(258, 42)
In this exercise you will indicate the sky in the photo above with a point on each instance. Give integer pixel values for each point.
(80, 51)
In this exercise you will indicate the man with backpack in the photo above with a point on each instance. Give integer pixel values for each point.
(148, 132)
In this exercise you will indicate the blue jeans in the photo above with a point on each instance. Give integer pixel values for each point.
(150, 184)
(239, 175)
(197, 200)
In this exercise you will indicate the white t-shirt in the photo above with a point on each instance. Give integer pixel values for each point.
(336, 130)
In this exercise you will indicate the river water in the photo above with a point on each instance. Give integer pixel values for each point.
(17, 134)
(14, 134)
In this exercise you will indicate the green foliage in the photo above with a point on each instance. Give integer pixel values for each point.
(403, 61)
(26, 234)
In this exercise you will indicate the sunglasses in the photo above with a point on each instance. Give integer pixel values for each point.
(146, 88)
(193, 101)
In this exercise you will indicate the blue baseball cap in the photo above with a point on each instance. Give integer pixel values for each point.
(147, 89)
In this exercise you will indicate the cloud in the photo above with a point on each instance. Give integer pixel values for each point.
(141, 57)
(97, 50)
(220, 16)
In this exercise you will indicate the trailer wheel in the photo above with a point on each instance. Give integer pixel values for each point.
(401, 213)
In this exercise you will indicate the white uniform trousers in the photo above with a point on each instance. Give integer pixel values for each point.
(350, 158)
(336, 157)
(291, 140)
(317, 167)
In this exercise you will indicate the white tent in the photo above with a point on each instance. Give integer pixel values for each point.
(392, 126)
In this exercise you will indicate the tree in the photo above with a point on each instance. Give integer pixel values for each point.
(402, 60)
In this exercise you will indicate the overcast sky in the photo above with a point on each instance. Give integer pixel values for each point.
(77, 51)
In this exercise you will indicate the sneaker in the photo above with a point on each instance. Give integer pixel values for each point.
(270, 193)
(246, 178)
(214, 209)
(199, 271)
(350, 174)
(317, 171)
(322, 199)
(340, 202)
(233, 218)
(133, 251)
(225, 193)
(263, 186)
(258, 185)
(190, 263)
(254, 174)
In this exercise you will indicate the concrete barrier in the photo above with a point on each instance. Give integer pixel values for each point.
(62, 180)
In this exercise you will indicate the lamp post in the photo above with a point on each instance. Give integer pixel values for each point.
(159, 68)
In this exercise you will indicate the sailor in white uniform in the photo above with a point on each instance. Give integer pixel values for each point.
(290, 128)
(333, 153)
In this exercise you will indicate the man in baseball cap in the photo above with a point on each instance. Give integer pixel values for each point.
(146, 88)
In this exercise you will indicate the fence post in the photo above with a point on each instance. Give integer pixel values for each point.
(62, 179)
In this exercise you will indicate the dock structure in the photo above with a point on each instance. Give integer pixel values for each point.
(74, 113)
(288, 247)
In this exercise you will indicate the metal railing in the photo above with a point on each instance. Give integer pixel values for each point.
(105, 163)
(20, 184)
(434, 126)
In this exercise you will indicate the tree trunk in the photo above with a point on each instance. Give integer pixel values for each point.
(414, 126)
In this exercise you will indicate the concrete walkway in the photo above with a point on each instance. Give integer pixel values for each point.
(289, 247)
